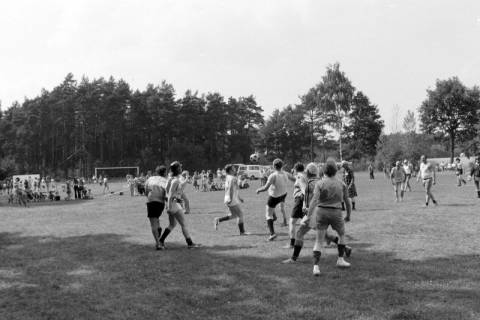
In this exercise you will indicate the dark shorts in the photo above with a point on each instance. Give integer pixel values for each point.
(155, 209)
(330, 217)
(297, 210)
(273, 202)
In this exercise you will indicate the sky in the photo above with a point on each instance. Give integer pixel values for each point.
(392, 51)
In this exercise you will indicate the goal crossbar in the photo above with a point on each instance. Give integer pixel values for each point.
(109, 168)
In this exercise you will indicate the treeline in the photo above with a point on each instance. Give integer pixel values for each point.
(91, 123)
(79, 125)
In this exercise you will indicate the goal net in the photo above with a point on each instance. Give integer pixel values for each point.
(116, 172)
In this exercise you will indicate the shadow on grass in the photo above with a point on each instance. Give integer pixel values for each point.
(105, 277)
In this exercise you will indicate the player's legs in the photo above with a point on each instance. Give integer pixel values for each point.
(237, 212)
(186, 202)
(172, 222)
(269, 214)
(156, 231)
(429, 191)
(338, 224)
(319, 238)
(297, 248)
(284, 215)
(297, 213)
(395, 191)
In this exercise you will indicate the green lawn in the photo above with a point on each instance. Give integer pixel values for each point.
(96, 260)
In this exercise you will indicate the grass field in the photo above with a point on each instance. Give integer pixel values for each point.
(96, 260)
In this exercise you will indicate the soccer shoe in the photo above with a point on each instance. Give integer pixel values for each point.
(316, 270)
(288, 261)
(341, 263)
(160, 246)
(215, 223)
(194, 246)
(272, 237)
(245, 233)
(348, 251)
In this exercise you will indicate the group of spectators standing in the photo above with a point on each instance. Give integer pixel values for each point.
(42, 188)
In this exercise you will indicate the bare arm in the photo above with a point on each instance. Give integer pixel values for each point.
(267, 185)
(348, 206)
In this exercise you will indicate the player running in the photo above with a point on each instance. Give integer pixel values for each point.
(232, 200)
(298, 196)
(326, 208)
(312, 178)
(277, 192)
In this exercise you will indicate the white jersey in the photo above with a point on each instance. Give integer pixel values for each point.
(278, 184)
(407, 168)
(426, 170)
(231, 188)
(155, 187)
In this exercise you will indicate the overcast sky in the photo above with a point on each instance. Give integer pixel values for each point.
(276, 50)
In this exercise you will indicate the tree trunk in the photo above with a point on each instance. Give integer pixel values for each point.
(452, 146)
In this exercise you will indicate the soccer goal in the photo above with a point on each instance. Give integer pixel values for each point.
(117, 172)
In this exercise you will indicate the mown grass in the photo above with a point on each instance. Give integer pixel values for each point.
(95, 260)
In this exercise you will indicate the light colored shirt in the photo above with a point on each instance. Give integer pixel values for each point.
(278, 184)
(155, 188)
(231, 188)
(426, 170)
(299, 185)
(407, 168)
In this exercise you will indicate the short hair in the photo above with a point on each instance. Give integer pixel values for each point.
(457, 159)
(330, 167)
(312, 170)
(161, 171)
(299, 167)
(277, 164)
(229, 168)
(175, 168)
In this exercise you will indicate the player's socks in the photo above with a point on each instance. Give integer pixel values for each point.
(297, 248)
(189, 241)
(270, 226)
(341, 250)
(159, 232)
(353, 205)
(316, 257)
(292, 242)
(478, 194)
(164, 235)
(241, 228)
(226, 218)
(343, 206)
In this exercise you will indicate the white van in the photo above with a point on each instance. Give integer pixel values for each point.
(253, 171)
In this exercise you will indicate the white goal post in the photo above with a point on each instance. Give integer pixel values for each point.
(127, 169)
